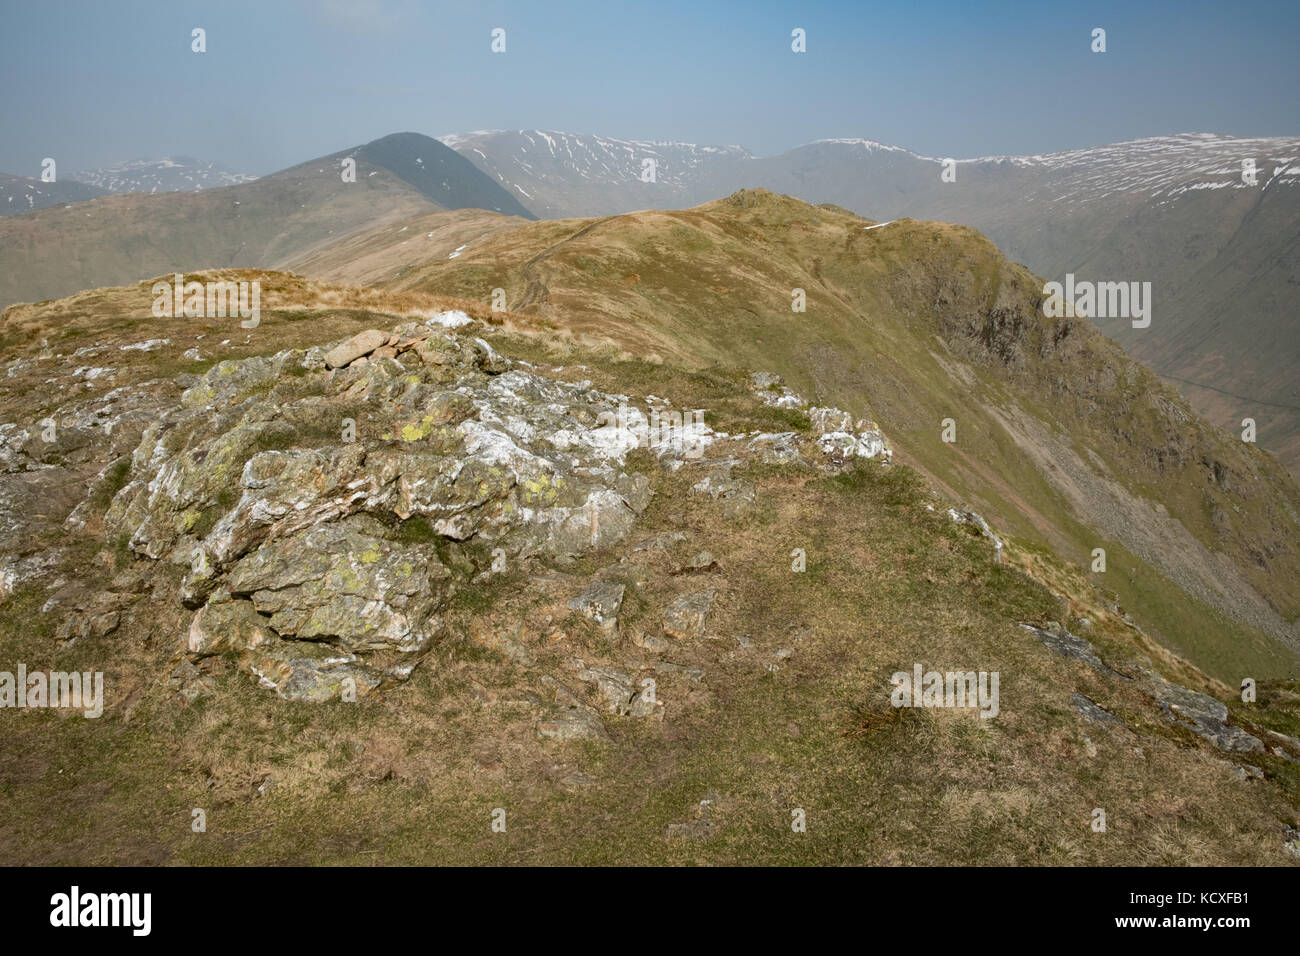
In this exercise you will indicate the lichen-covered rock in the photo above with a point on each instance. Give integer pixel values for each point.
(781, 448)
(1066, 644)
(687, 617)
(229, 379)
(618, 690)
(569, 718)
(737, 496)
(226, 627)
(312, 673)
(337, 583)
(770, 389)
(310, 496)
(830, 420)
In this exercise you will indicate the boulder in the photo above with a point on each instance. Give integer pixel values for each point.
(600, 602)
(363, 343)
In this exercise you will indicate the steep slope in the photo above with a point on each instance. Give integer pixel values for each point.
(54, 252)
(375, 563)
(1061, 439)
(19, 194)
(1223, 256)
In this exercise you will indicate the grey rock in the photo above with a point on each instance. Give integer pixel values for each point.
(737, 496)
(687, 617)
(664, 541)
(1291, 842)
(1068, 645)
(779, 448)
(703, 561)
(619, 690)
(830, 420)
(601, 602)
(651, 642)
(570, 719)
(1095, 714)
(1202, 714)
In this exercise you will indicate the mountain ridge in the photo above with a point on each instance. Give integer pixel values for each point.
(1172, 209)
(659, 283)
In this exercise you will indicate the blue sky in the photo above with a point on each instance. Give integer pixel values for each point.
(91, 83)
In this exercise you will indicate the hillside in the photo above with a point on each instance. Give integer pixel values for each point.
(617, 648)
(1223, 256)
(19, 194)
(1062, 440)
(56, 251)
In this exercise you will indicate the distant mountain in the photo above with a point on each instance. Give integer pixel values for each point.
(114, 239)
(166, 175)
(560, 175)
(19, 194)
(1223, 256)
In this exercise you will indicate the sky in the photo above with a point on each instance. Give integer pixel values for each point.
(93, 82)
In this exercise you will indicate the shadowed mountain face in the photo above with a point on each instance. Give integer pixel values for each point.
(441, 175)
(56, 251)
(1060, 437)
(1223, 256)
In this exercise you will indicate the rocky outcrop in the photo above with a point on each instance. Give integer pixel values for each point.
(326, 502)
(1200, 713)
(837, 434)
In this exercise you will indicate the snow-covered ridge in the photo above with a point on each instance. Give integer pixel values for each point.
(868, 144)
(1168, 165)
(1159, 166)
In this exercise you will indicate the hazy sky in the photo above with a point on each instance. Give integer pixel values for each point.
(99, 81)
